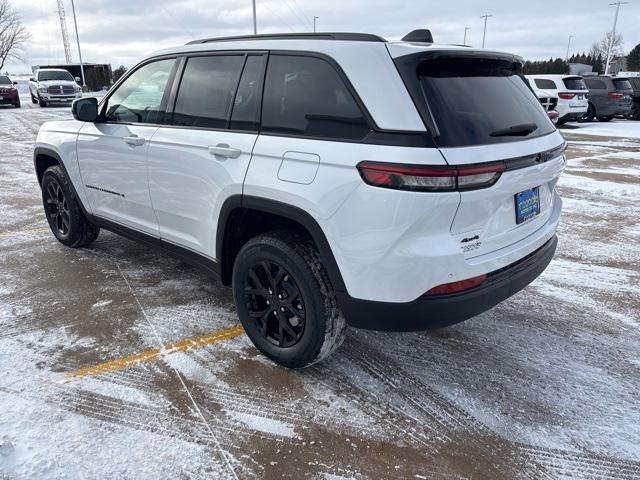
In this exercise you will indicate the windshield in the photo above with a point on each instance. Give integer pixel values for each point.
(54, 75)
(622, 84)
(5, 80)
(479, 101)
(574, 83)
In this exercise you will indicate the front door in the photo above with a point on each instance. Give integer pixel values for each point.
(113, 152)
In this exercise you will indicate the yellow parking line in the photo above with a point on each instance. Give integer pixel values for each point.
(23, 232)
(156, 353)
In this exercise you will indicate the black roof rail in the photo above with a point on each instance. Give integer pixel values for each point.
(361, 37)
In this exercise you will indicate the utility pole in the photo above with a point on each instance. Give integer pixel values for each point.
(255, 22)
(568, 46)
(65, 35)
(466, 29)
(75, 24)
(314, 23)
(484, 33)
(613, 35)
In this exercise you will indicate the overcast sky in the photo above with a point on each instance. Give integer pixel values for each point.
(124, 31)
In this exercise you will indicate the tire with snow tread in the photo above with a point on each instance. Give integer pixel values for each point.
(80, 232)
(324, 323)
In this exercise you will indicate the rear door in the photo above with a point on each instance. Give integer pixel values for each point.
(113, 152)
(483, 112)
(200, 157)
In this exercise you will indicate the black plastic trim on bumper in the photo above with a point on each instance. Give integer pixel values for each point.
(440, 311)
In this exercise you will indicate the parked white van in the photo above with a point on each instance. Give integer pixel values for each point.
(571, 91)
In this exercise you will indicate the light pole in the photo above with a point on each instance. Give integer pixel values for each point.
(75, 24)
(466, 29)
(255, 22)
(314, 22)
(568, 45)
(484, 33)
(613, 35)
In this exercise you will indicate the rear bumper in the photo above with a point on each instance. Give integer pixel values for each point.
(9, 98)
(443, 310)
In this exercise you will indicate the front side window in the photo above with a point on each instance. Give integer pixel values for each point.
(595, 84)
(141, 97)
(306, 96)
(545, 84)
(206, 91)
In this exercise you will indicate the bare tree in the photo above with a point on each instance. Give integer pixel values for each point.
(13, 35)
(617, 50)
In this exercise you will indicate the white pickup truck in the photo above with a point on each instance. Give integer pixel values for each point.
(52, 85)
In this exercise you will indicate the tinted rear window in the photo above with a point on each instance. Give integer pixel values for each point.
(574, 84)
(306, 96)
(4, 80)
(473, 99)
(545, 84)
(594, 84)
(622, 84)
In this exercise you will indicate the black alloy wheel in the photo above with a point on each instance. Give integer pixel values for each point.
(274, 302)
(57, 208)
(590, 115)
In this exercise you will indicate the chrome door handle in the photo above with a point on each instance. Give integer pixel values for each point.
(134, 140)
(225, 151)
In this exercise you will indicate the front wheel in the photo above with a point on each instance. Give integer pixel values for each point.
(285, 300)
(42, 102)
(62, 208)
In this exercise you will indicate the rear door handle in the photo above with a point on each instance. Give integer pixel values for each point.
(134, 140)
(225, 151)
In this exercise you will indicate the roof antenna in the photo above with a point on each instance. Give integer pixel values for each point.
(421, 35)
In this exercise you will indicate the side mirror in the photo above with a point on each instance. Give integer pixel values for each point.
(15, 83)
(78, 80)
(85, 109)
(32, 79)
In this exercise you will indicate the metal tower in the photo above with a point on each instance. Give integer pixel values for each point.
(63, 27)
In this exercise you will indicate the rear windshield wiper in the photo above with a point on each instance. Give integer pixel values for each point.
(516, 130)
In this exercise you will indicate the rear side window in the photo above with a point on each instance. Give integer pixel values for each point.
(206, 91)
(479, 101)
(574, 84)
(594, 84)
(545, 84)
(246, 105)
(306, 96)
(622, 84)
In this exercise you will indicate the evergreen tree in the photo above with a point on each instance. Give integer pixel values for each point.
(633, 59)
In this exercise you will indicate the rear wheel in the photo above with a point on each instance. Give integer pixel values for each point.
(62, 208)
(285, 300)
(561, 121)
(590, 114)
(17, 104)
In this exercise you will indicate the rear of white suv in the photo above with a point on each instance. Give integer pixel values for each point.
(276, 163)
(572, 94)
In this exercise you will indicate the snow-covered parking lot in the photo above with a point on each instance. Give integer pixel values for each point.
(118, 362)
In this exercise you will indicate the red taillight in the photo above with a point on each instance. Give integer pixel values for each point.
(566, 95)
(616, 95)
(432, 178)
(457, 286)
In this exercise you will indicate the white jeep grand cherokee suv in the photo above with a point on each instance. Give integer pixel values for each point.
(330, 178)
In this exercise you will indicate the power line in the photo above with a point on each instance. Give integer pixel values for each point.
(290, 7)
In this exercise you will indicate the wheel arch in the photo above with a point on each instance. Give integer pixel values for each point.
(242, 217)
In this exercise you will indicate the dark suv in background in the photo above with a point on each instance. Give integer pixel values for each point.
(608, 97)
(635, 110)
(9, 92)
